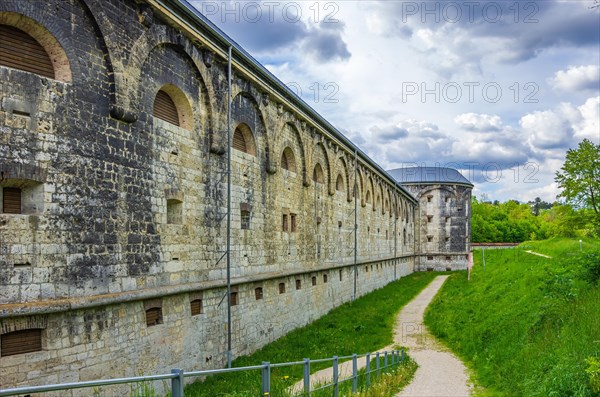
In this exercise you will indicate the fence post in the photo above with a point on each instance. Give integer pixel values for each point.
(368, 373)
(354, 373)
(385, 359)
(266, 378)
(335, 376)
(307, 376)
(177, 383)
(402, 358)
(377, 365)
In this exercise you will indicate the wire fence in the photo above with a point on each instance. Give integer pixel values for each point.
(380, 360)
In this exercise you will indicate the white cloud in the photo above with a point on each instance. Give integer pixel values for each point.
(547, 129)
(478, 122)
(589, 126)
(577, 78)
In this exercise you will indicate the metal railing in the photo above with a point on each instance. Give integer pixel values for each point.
(390, 359)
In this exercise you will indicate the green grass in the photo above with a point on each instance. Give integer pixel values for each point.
(527, 324)
(356, 327)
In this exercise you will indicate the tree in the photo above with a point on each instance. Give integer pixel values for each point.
(579, 177)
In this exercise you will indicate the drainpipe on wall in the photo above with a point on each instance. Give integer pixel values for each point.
(355, 225)
(229, 210)
(395, 239)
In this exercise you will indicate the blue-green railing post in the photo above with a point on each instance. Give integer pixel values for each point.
(385, 359)
(377, 364)
(177, 383)
(335, 376)
(354, 373)
(402, 358)
(266, 378)
(368, 366)
(307, 376)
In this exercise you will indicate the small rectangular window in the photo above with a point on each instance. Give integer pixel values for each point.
(196, 307)
(447, 219)
(341, 275)
(284, 223)
(154, 316)
(298, 284)
(324, 278)
(447, 239)
(366, 269)
(11, 200)
(429, 239)
(258, 293)
(234, 298)
(293, 223)
(430, 258)
(245, 219)
(314, 280)
(429, 218)
(429, 198)
(282, 288)
(447, 199)
(448, 258)
(19, 342)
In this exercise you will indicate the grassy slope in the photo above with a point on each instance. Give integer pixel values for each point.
(519, 341)
(356, 327)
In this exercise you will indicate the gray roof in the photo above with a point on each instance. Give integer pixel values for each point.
(412, 175)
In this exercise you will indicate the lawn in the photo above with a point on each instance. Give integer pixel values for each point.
(355, 327)
(526, 325)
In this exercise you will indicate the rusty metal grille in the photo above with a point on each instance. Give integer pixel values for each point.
(165, 109)
(18, 342)
(19, 50)
(11, 200)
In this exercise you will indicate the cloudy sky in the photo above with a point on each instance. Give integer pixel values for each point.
(497, 89)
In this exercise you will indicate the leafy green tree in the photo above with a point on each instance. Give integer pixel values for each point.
(579, 178)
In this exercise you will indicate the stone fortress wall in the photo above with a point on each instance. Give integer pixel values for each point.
(114, 263)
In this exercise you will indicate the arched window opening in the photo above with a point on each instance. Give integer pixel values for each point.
(339, 184)
(19, 50)
(243, 140)
(318, 174)
(165, 109)
(288, 161)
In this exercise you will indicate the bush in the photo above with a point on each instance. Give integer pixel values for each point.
(593, 371)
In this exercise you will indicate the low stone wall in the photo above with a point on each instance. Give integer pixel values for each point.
(114, 341)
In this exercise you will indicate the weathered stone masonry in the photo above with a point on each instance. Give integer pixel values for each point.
(123, 213)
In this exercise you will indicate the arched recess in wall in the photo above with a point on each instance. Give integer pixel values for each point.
(368, 199)
(129, 77)
(173, 106)
(318, 175)
(183, 90)
(243, 139)
(29, 46)
(321, 157)
(289, 139)
(361, 190)
(370, 190)
(343, 170)
(339, 183)
(245, 111)
(288, 160)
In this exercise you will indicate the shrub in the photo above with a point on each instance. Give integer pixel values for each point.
(593, 371)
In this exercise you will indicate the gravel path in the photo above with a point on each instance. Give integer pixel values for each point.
(440, 372)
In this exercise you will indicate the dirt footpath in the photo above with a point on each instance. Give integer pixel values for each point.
(440, 372)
